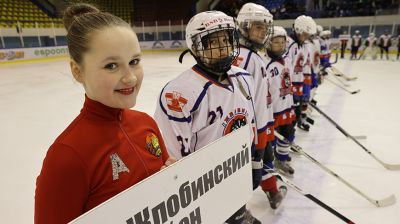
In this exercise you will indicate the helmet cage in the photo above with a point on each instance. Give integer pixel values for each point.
(203, 51)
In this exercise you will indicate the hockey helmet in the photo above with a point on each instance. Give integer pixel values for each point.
(304, 24)
(249, 15)
(201, 28)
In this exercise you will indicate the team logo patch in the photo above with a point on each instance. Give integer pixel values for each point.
(298, 67)
(285, 84)
(235, 120)
(153, 145)
(175, 101)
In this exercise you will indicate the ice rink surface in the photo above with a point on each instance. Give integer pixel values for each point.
(38, 101)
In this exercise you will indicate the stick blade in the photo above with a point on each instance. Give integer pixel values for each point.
(351, 78)
(356, 91)
(360, 137)
(392, 166)
(386, 201)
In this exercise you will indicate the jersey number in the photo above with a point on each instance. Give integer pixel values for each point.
(184, 151)
(213, 114)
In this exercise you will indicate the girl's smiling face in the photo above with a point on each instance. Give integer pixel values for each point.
(110, 71)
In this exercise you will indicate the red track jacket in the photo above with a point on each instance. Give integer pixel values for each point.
(102, 152)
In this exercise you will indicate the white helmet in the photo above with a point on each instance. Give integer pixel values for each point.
(372, 34)
(304, 24)
(319, 29)
(250, 13)
(279, 32)
(205, 22)
(325, 33)
(200, 27)
(313, 25)
(357, 32)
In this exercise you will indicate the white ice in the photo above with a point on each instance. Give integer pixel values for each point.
(38, 101)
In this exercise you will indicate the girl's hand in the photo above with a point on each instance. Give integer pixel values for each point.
(169, 161)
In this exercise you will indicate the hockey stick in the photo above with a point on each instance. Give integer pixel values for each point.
(312, 198)
(361, 137)
(341, 82)
(379, 203)
(386, 165)
(337, 72)
(336, 57)
(349, 91)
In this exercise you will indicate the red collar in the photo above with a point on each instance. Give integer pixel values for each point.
(99, 110)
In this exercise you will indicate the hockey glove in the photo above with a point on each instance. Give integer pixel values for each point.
(257, 164)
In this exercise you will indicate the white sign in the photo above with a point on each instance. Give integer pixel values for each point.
(206, 187)
(18, 54)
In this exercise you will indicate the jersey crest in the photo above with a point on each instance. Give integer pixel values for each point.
(298, 67)
(175, 101)
(235, 120)
(152, 145)
(285, 84)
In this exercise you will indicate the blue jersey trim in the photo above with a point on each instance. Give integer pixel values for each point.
(247, 60)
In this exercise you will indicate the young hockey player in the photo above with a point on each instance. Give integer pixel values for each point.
(278, 67)
(303, 27)
(356, 41)
(308, 72)
(255, 28)
(398, 47)
(370, 47)
(212, 98)
(385, 43)
(325, 54)
(316, 79)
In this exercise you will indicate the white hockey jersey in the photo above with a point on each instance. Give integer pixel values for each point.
(281, 89)
(356, 40)
(315, 56)
(384, 40)
(370, 42)
(325, 48)
(296, 57)
(193, 110)
(308, 51)
(253, 63)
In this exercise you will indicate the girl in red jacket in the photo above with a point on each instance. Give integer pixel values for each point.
(108, 147)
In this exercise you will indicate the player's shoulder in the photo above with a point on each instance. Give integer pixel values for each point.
(190, 81)
(237, 71)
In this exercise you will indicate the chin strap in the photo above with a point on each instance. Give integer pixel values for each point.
(183, 54)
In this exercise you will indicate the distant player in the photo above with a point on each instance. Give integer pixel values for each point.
(255, 29)
(370, 47)
(308, 71)
(385, 43)
(303, 28)
(325, 54)
(356, 42)
(212, 98)
(279, 67)
(344, 38)
(316, 79)
(398, 47)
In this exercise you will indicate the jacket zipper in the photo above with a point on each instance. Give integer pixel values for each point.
(130, 142)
